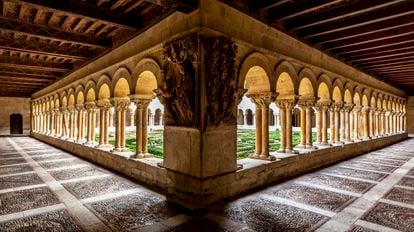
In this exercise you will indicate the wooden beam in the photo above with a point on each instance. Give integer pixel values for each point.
(388, 64)
(185, 6)
(44, 49)
(383, 61)
(33, 64)
(20, 83)
(352, 15)
(49, 33)
(380, 53)
(82, 9)
(11, 78)
(17, 73)
(263, 5)
(410, 53)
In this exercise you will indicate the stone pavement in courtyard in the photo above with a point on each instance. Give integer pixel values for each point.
(43, 188)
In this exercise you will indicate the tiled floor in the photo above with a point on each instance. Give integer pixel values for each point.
(45, 189)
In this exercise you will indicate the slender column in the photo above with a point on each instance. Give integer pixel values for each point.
(141, 115)
(347, 122)
(121, 106)
(282, 121)
(90, 109)
(308, 109)
(104, 108)
(35, 125)
(305, 123)
(387, 122)
(71, 110)
(290, 104)
(377, 124)
(337, 107)
(356, 110)
(324, 106)
(262, 102)
(63, 111)
(47, 129)
(331, 110)
(365, 122)
(52, 123)
(318, 112)
(80, 108)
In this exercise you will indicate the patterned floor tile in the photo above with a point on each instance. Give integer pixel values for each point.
(96, 187)
(407, 181)
(356, 173)
(12, 161)
(401, 195)
(265, 215)
(15, 169)
(360, 229)
(199, 225)
(63, 163)
(130, 212)
(381, 161)
(316, 197)
(392, 216)
(10, 155)
(20, 180)
(55, 221)
(366, 166)
(76, 173)
(26, 199)
(337, 182)
(51, 157)
(411, 172)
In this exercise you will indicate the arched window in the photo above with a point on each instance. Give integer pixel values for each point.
(240, 117)
(249, 117)
(271, 117)
(157, 117)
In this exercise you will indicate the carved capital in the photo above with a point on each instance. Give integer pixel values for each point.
(71, 108)
(141, 103)
(336, 107)
(103, 104)
(90, 106)
(262, 99)
(348, 107)
(306, 103)
(79, 107)
(357, 108)
(286, 104)
(322, 105)
(121, 104)
(366, 109)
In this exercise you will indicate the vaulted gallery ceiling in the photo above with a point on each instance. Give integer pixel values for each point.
(376, 37)
(43, 40)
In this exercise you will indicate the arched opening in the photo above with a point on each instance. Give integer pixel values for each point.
(240, 117)
(157, 117)
(16, 124)
(249, 133)
(271, 117)
(306, 101)
(296, 119)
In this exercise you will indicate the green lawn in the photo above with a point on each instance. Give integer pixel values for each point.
(245, 142)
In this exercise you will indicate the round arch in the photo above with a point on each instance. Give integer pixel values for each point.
(252, 60)
(146, 64)
(121, 83)
(281, 70)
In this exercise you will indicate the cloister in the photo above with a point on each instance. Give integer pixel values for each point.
(200, 73)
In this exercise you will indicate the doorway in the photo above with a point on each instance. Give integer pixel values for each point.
(16, 124)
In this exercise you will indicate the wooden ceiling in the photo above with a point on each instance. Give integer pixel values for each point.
(376, 37)
(44, 40)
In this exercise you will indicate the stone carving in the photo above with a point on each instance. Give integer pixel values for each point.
(221, 80)
(177, 91)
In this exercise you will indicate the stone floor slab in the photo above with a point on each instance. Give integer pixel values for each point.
(366, 166)
(19, 181)
(74, 173)
(392, 216)
(131, 212)
(12, 161)
(26, 199)
(401, 195)
(62, 163)
(362, 174)
(15, 169)
(54, 221)
(407, 181)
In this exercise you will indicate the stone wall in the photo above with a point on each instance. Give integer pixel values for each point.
(14, 105)
(410, 115)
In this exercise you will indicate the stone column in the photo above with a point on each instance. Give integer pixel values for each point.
(386, 122)
(104, 108)
(47, 129)
(305, 106)
(331, 110)
(365, 122)
(318, 112)
(64, 122)
(81, 138)
(262, 102)
(282, 121)
(356, 111)
(141, 121)
(56, 126)
(347, 122)
(377, 123)
(121, 106)
(324, 106)
(71, 110)
(52, 122)
(90, 109)
(337, 107)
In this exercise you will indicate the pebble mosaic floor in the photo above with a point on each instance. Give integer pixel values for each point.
(45, 189)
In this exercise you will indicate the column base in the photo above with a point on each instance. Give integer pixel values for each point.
(105, 147)
(310, 147)
(366, 138)
(347, 141)
(338, 143)
(120, 149)
(357, 139)
(323, 145)
(81, 141)
(142, 155)
(291, 151)
(300, 146)
(90, 144)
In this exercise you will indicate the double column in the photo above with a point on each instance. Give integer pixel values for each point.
(141, 115)
(72, 112)
(366, 123)
(286, 106)
(347, 123)
(91, 110)
(321, 109)
(335, 122)
(121, 105)
(81, 122)
(355, 112)
(262, 102)
(104, 107)
(305, 106)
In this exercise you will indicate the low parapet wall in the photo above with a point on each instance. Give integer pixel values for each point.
(198, 193)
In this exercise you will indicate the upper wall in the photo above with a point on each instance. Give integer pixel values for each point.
(249, 34)
(14, 105)
(410, 115)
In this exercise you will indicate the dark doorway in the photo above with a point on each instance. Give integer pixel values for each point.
(16, 124)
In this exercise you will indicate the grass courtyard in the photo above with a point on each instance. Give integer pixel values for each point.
(245, 142)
